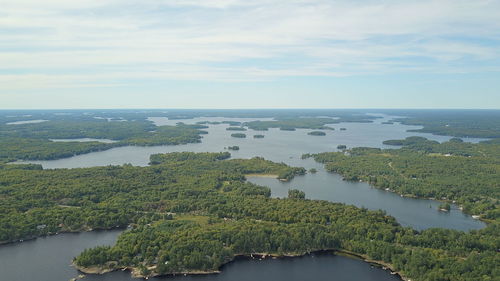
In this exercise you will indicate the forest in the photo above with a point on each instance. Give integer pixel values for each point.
(317, 133)
(33, 141)
(193, 212)
(458, 123)
(454, 171)
(317, 123)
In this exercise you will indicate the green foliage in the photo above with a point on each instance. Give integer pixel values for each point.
(292, 123)
(239, 135)
(235, 129)
(445, 207)
(194, 212)
(288, 174)
(32, 141)
(458, 123)
(464, 172)
(317, 133)
(156, 159)
(296, 194)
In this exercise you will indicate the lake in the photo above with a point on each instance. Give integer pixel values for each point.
(84, 140)
(288, 147)
(48, 258)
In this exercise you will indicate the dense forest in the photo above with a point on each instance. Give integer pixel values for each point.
(239, 135)
(454, 171)
(317, 133)
(194, 212)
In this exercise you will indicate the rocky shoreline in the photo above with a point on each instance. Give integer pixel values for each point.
(135, 272)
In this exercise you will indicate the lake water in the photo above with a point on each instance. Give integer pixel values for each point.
(84, 140)
(48, 259)
(318, 267)
(288, 147)
(27, 122)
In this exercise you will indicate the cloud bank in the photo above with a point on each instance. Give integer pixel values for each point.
(74, 44)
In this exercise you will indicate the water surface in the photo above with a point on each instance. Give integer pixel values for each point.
(318, 267)
(288, 147)
(84, 140)
(26, 122)
(49, 258)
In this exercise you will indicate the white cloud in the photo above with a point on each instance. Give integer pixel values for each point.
(73, 43)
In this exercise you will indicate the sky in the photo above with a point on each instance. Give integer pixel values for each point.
(249, 54)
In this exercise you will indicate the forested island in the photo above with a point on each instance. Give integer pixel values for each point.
(239, 135)
(317, 133)
(290, 124)
(235, 129)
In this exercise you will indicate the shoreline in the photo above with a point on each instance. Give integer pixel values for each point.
(460, 207)
(135, 272)
(21, 240)
(262, 176)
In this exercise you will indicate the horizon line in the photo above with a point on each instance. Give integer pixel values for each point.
(266, 108)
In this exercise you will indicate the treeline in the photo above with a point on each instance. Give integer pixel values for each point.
(466, 173)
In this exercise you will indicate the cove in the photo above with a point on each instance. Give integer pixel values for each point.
(49, 258)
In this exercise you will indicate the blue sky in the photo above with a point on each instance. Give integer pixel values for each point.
(249, 54)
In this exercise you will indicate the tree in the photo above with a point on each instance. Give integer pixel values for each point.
(296, 194)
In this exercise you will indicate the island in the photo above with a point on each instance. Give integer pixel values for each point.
(235, 129)
(317, 133)
(239, 135)
(445, 207)
(341, 146)
(258, 136)
(234, 147)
